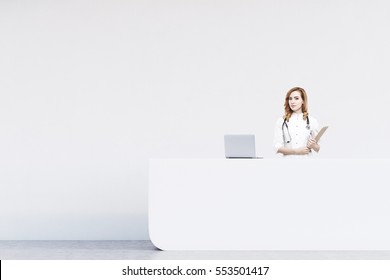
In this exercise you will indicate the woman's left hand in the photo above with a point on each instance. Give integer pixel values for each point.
(312, 145)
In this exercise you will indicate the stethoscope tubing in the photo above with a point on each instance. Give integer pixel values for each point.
(288, 130)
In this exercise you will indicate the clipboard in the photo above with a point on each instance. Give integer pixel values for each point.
(319, 135)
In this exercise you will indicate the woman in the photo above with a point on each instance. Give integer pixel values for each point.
(295, 132)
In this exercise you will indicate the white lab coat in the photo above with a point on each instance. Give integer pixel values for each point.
(299, 133)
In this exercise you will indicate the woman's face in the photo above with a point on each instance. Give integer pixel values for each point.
(295, 101)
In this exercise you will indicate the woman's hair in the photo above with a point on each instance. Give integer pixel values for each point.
(287, 110)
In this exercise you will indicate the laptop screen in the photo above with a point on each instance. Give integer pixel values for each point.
(240, 146)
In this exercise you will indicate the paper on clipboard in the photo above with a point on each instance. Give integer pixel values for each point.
(319, 135)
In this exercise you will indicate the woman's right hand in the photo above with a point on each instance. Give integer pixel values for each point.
(302, 151)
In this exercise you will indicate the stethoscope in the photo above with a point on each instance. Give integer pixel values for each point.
(288, 131)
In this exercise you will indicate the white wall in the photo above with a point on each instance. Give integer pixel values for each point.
(90, 90)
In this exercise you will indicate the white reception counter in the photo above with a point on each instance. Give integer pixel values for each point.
(269, 204)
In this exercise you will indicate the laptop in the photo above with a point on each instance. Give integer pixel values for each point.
(240, 146)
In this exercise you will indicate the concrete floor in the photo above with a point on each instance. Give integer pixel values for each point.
(144, 250)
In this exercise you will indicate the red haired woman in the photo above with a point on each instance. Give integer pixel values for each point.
(295, 131)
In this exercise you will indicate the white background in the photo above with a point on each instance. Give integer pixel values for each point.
(90, 90)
